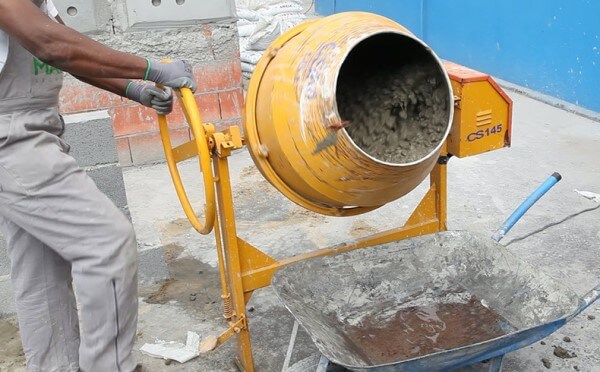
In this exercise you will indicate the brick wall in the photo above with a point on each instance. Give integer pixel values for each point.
(219, 97)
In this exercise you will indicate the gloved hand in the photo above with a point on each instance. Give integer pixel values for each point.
(176, 74)
(151, 96)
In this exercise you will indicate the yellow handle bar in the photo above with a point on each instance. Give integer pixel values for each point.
(192, 114)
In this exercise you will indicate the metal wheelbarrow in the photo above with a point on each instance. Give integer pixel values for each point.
(435, 302)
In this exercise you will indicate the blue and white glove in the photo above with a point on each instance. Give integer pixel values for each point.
(176, 74)
(151, 96)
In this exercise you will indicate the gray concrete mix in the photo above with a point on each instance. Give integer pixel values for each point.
(482, 192)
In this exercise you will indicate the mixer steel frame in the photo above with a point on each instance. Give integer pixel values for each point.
(251, 269)
(243, 267)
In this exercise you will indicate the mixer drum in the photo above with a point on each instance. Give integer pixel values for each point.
(360, 70)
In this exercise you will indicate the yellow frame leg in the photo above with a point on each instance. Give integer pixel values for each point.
(232, 258)
(248, 268)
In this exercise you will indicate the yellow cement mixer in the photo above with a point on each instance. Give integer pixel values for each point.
(343, 114)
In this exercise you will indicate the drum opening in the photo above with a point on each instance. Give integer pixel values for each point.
(396, 96)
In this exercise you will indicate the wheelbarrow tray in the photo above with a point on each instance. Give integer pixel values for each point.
(356, 304)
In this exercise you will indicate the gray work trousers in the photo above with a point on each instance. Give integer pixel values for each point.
(63, 233)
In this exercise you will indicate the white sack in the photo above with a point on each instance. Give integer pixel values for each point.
(250, 56)
(247, 67)
(246, 30)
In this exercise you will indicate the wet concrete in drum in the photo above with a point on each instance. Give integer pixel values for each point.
(397, 115)
(422, 330)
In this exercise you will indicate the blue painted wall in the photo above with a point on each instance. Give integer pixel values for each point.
(552, 46)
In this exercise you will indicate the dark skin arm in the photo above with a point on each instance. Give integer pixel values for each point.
(65, 48)
(116, 86)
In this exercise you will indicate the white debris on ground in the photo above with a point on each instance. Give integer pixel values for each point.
(589, 195)
(174, 350)
(260, 22)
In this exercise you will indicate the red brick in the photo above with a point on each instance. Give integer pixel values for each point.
(133, 119)
(138, 119)
(208, 104)
(232, 103)
(175, 119)
(147, 148)
(236, 72)
(218, 75)
(77, 97)
(124, 151)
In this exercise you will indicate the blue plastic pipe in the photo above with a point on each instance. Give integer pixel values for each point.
(524, 207)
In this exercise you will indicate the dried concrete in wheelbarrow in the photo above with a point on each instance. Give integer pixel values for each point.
(411, 302)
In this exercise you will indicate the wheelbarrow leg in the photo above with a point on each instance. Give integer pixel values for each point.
(495, 364)
(323, 364)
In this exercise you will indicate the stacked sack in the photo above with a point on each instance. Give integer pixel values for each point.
(260, 22)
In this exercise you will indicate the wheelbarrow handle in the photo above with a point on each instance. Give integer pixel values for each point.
(588, 299)
(524, 207)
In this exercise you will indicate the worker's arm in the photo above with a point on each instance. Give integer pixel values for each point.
(113, 85)
(147, 94)
(63, 47)
(116, 86)
(150, 96)
(79, 55)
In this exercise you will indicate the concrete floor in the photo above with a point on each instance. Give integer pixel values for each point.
(482, 190)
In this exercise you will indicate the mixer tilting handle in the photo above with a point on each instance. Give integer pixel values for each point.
(192, 115)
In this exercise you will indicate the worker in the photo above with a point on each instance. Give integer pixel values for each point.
(69, 246)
